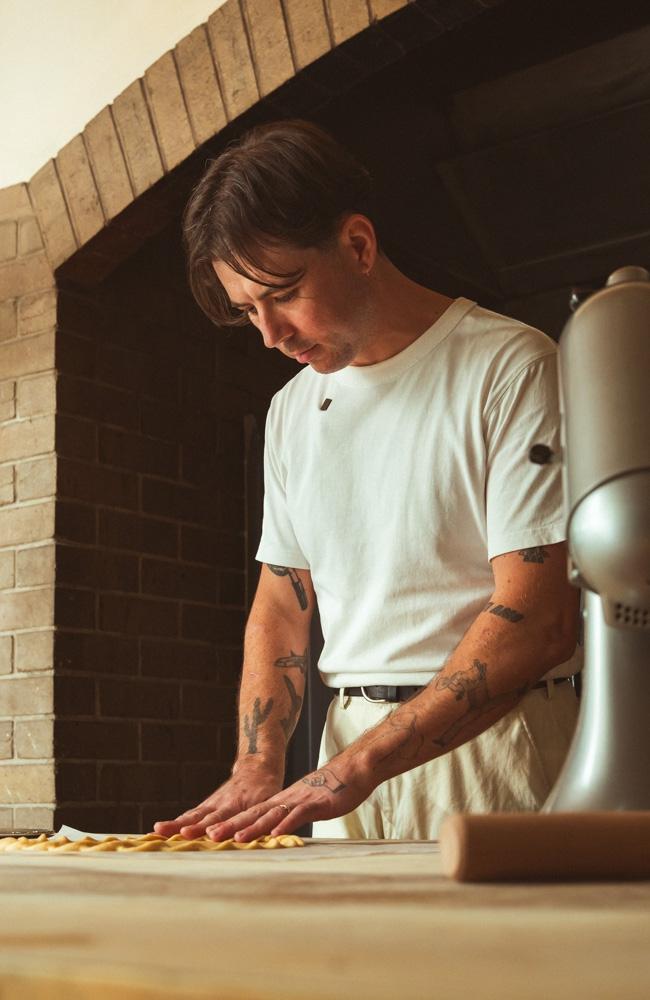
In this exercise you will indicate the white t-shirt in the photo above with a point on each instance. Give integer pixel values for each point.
(398, 494)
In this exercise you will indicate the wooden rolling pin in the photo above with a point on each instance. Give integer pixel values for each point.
(544, 847)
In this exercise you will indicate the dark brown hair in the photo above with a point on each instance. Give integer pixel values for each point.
(288, 183)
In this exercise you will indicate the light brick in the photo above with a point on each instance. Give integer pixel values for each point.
(34, 651)
(37, 395)
(33, 738)
(347, 18)
(310, 35)
(6, 820)
(233, 58)
(52, 212)
(36, 480)
(23, 609)
(200, 85)
(6, 739)
(8, 240)
(7, 575)
(6, 654)
(34, 817)
(28, 356)
(35, 566)
(14, 202)
(109, 167)
(7, 485)
(24, 275)
(27, 438)
(382, 8)
(7, 400)
(80, 190)
(270, 44)
(23, 783)
(136, 135)
(25, 695)
(170, 118)
(36, 312)
(21, 525)
(29, 236)
(8, 320)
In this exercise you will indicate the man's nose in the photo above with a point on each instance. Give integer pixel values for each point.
(273, 328)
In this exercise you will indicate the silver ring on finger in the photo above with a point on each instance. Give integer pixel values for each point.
(283, 805)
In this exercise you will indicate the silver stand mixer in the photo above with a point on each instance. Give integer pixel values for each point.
(605, 401)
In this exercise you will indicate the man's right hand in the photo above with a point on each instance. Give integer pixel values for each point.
(248, 786)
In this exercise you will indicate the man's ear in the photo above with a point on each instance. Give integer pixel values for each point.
(359, 240)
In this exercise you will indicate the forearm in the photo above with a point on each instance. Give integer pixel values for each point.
(502, 654)
(276, 651)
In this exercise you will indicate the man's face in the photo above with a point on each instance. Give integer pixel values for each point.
(319, 318)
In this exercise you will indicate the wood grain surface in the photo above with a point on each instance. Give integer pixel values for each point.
(358, 920)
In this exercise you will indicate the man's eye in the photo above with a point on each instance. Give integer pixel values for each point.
(288, 296)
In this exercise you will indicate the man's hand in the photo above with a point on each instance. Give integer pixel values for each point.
(333, 790)
(251, 784)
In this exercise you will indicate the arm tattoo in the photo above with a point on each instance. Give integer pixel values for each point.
(501, 611)
(324, 778)
(294, 709)
(535, 555)
(473, 683)
(296, 583)
(398, 721)
(295, 660)
(260, 715)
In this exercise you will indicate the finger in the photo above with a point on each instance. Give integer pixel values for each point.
(296, 818)
(193, 830)
(167, 828)
(225, 829)
(266, 823)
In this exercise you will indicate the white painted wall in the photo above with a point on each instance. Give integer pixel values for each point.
(62, 61)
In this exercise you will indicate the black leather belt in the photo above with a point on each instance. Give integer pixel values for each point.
(385, 692)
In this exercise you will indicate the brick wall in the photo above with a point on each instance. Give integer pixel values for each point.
(151, 554)
(27, 490)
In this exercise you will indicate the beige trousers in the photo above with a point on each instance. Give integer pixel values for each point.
(511, 767)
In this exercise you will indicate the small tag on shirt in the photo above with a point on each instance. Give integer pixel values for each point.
(325, 404)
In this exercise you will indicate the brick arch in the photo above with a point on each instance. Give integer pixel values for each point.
(249, 51)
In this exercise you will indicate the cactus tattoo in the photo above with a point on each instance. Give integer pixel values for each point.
(260, 715)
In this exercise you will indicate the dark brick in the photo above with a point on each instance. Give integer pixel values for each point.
(75, 522)
(137, 370)
(76, 438)
(80, 314)
(75, 782)
(141, 454)
(178, 742)
(97, 568)
(216, 548)
(130, 615)
(95, 653)
(74, 696)
(203, 702)
(199, 780)
(102, 819)
(227, 745)
(182, 503)
(105, 404)
(179, 580)
(232, 588)
(159, 420)
(215, 625)
(139, 782)
(119, 530)
(74, 608)
(133, 698)
(75, 355)
(97, 740)
(97, 484)
(179, 660)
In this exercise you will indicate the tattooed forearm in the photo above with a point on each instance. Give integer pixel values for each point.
(535, 555)
(473, 684)
(296, 583)
(399, 722)
(501, 611)
(289, 723)
(294, 660)
(324, 778)
(251, 726)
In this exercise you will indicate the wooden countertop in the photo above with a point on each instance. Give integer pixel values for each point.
(335, 919)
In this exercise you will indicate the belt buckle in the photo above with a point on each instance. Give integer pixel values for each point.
(374, 701)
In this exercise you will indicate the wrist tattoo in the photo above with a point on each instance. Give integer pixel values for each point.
(296, 583)
(501, 611)
(405, 724)
(294, 660)
(289, 723)
(535, 555)
(251, 726)
(324, 778)
(473, 684)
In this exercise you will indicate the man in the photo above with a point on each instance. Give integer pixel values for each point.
(400, 496)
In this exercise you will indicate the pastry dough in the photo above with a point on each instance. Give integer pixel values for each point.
(148, 842)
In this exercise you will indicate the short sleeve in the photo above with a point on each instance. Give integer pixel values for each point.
(524, 505)
(278, 545)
